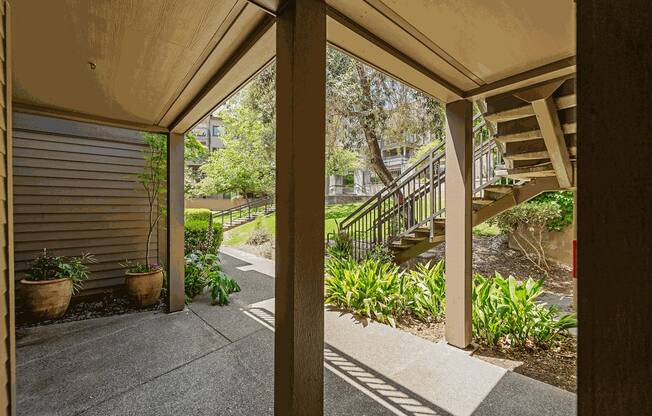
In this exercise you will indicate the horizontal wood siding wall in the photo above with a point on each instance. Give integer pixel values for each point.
(75, 191)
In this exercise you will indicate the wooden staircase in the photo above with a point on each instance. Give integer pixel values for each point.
(235, 216)
(531, 149)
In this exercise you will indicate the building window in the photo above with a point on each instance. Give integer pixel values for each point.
(216, 131)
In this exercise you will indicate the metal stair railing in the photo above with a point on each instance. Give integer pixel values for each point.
(415, 199)
(248, 210)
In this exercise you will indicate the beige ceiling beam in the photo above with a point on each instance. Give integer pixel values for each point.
(86, 118)
(545, 110)
(556, 71)
(270, 7)
(396, 53)
(247, 43)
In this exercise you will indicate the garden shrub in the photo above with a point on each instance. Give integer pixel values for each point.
(564, 199)
(505, 311)
(381, 253)
(202, 214)
(526, 223)
(199, 236)
(259, 236)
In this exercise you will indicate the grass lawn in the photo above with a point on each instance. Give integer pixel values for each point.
(334, 213)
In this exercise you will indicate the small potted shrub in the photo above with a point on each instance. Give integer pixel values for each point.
(144, 281)
(50, 283)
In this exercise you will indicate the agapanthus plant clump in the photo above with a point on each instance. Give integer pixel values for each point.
(505, 311)
(49, 267)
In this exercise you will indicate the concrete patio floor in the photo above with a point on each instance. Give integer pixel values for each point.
(211, 360)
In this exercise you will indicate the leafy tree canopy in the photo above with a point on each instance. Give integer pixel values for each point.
(244, 165)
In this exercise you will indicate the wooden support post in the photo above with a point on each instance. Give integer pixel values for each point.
(300, 159)
(459, 214)
(175, 236)
(614, 228)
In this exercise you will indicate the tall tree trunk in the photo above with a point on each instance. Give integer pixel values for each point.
(368, 121)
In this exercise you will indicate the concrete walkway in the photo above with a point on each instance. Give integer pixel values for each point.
(211, 360)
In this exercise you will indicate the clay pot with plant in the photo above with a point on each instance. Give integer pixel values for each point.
(50, 283)
(144, 280)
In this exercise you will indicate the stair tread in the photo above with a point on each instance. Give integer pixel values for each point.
(563, 102)
(567, 128)
(503, 189)
(482, 201)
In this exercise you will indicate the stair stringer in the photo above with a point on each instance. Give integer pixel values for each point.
(518, 195)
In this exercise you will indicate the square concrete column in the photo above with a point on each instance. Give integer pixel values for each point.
(300, 159)
(459, 215)
(175, 262)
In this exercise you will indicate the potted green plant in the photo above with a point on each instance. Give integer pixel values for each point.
(144, 280)
(50, 283)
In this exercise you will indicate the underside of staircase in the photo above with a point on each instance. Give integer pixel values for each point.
(526, 144)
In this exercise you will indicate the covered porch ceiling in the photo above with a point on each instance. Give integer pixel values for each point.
(163, 66)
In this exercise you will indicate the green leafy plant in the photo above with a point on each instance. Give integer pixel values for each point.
(202, 270)
(427, 290)
(340, 161)
(505, 312)
(341, 246)
(564, 199)
(371, 288)
(200, 214)
(221, 286)
(381, 253)
(47, 267)
(138, 267)
(202, 235)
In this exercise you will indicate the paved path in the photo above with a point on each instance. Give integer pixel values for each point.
(210, 360)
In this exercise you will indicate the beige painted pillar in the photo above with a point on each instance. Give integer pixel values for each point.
(175, 261)
(459, 184)
(300, 159)
(574, 248)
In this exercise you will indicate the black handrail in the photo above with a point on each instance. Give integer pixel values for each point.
(415, 198)
(393, 183)
(267, 201)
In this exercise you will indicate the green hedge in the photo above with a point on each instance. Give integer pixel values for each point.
(199, 237)
(203, 214)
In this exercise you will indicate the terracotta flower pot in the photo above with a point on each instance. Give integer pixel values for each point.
(47, 299)
(144, 289)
